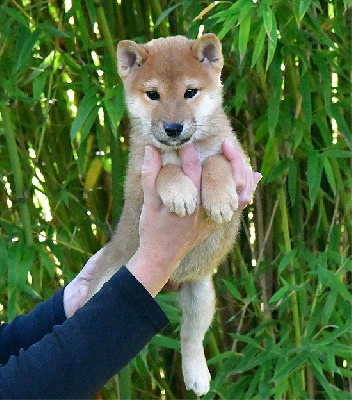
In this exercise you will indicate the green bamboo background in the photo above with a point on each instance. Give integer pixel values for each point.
(283, 325)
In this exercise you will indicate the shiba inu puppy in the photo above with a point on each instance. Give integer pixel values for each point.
(174, 97)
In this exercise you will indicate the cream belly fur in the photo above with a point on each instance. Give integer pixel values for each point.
(174, 97)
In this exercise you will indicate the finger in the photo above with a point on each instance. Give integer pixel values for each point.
(92, 264)
(257, 177)
(150, 170)
(238, 164)
(228, 149)
(191, 164)
(246, 196)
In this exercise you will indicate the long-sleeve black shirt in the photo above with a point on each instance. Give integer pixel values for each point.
(45, 355)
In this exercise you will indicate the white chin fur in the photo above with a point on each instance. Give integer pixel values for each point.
(170, 157)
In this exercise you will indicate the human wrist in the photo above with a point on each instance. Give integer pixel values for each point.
(75, 296)
(152, 269)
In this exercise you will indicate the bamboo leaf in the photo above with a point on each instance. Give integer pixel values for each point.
(47, 62)
(233, 290)
(275, 94)
(306, 99)
(259, 46)
(321, 64)
(267, 15)
(272, 42)
(243, 36)
(318, 373)
(25, 49)
(52, 31)
(241, 90)
(115, 106)
(289, 367)
(11, 12)
(165, 13)
(279, 169)
(334, 152)
(88, 123)
(229, 24)
(245, 339)
(79, 15)
(250, 288)
(38, 85)
(330, 279)
(329, 174)
(279, 295)
(303, 7)
(166, 342)
(93, 173)
(221, 357)
(86, 106)
(292, 181)
(268, 161)
(286, 260)
(347, 4)
(341, 123)
(314, 173)
(47, 262)
(328, 308)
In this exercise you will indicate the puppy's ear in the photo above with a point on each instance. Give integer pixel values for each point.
(208, 50)
(130, 55)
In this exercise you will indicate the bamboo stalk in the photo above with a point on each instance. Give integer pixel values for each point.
(292, 278)
(116, 156)
(116, 171)
(125, 384)
(20, 195)
(259, 218)
(104, 28)
(284, 224)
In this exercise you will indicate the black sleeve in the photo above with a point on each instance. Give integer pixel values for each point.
(26, 330)
(82, 354)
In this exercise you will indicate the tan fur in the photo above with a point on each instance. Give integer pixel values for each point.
(170, 66)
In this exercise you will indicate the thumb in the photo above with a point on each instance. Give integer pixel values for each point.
(150, 170)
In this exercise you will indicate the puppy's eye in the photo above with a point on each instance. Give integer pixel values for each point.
(153, 95)
(189, 93)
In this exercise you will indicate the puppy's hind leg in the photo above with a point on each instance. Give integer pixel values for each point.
(197, 300)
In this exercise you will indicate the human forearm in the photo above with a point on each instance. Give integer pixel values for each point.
(25, 330)
(84, 352)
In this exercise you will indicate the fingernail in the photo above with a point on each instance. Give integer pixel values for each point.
(148, 153)
(229, 142)
(258, 177)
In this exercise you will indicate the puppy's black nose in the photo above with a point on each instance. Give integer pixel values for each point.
(173, 130)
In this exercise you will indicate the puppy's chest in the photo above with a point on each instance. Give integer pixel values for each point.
(171, 157)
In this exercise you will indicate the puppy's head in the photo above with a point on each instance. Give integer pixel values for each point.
(172, 87)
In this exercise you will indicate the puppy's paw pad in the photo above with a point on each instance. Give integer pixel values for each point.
(199, 383)
(222, 211)
(196, 375)
(181, 200)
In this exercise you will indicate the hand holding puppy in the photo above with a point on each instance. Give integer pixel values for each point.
(165, 237)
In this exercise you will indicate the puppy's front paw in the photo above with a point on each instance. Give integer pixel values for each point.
(181, 198)
(196, 375)
(221, 205)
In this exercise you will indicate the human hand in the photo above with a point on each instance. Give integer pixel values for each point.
(76, 292)
(165, 238)
(246, 180)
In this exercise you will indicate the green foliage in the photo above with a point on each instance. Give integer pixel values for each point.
(283, 326)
